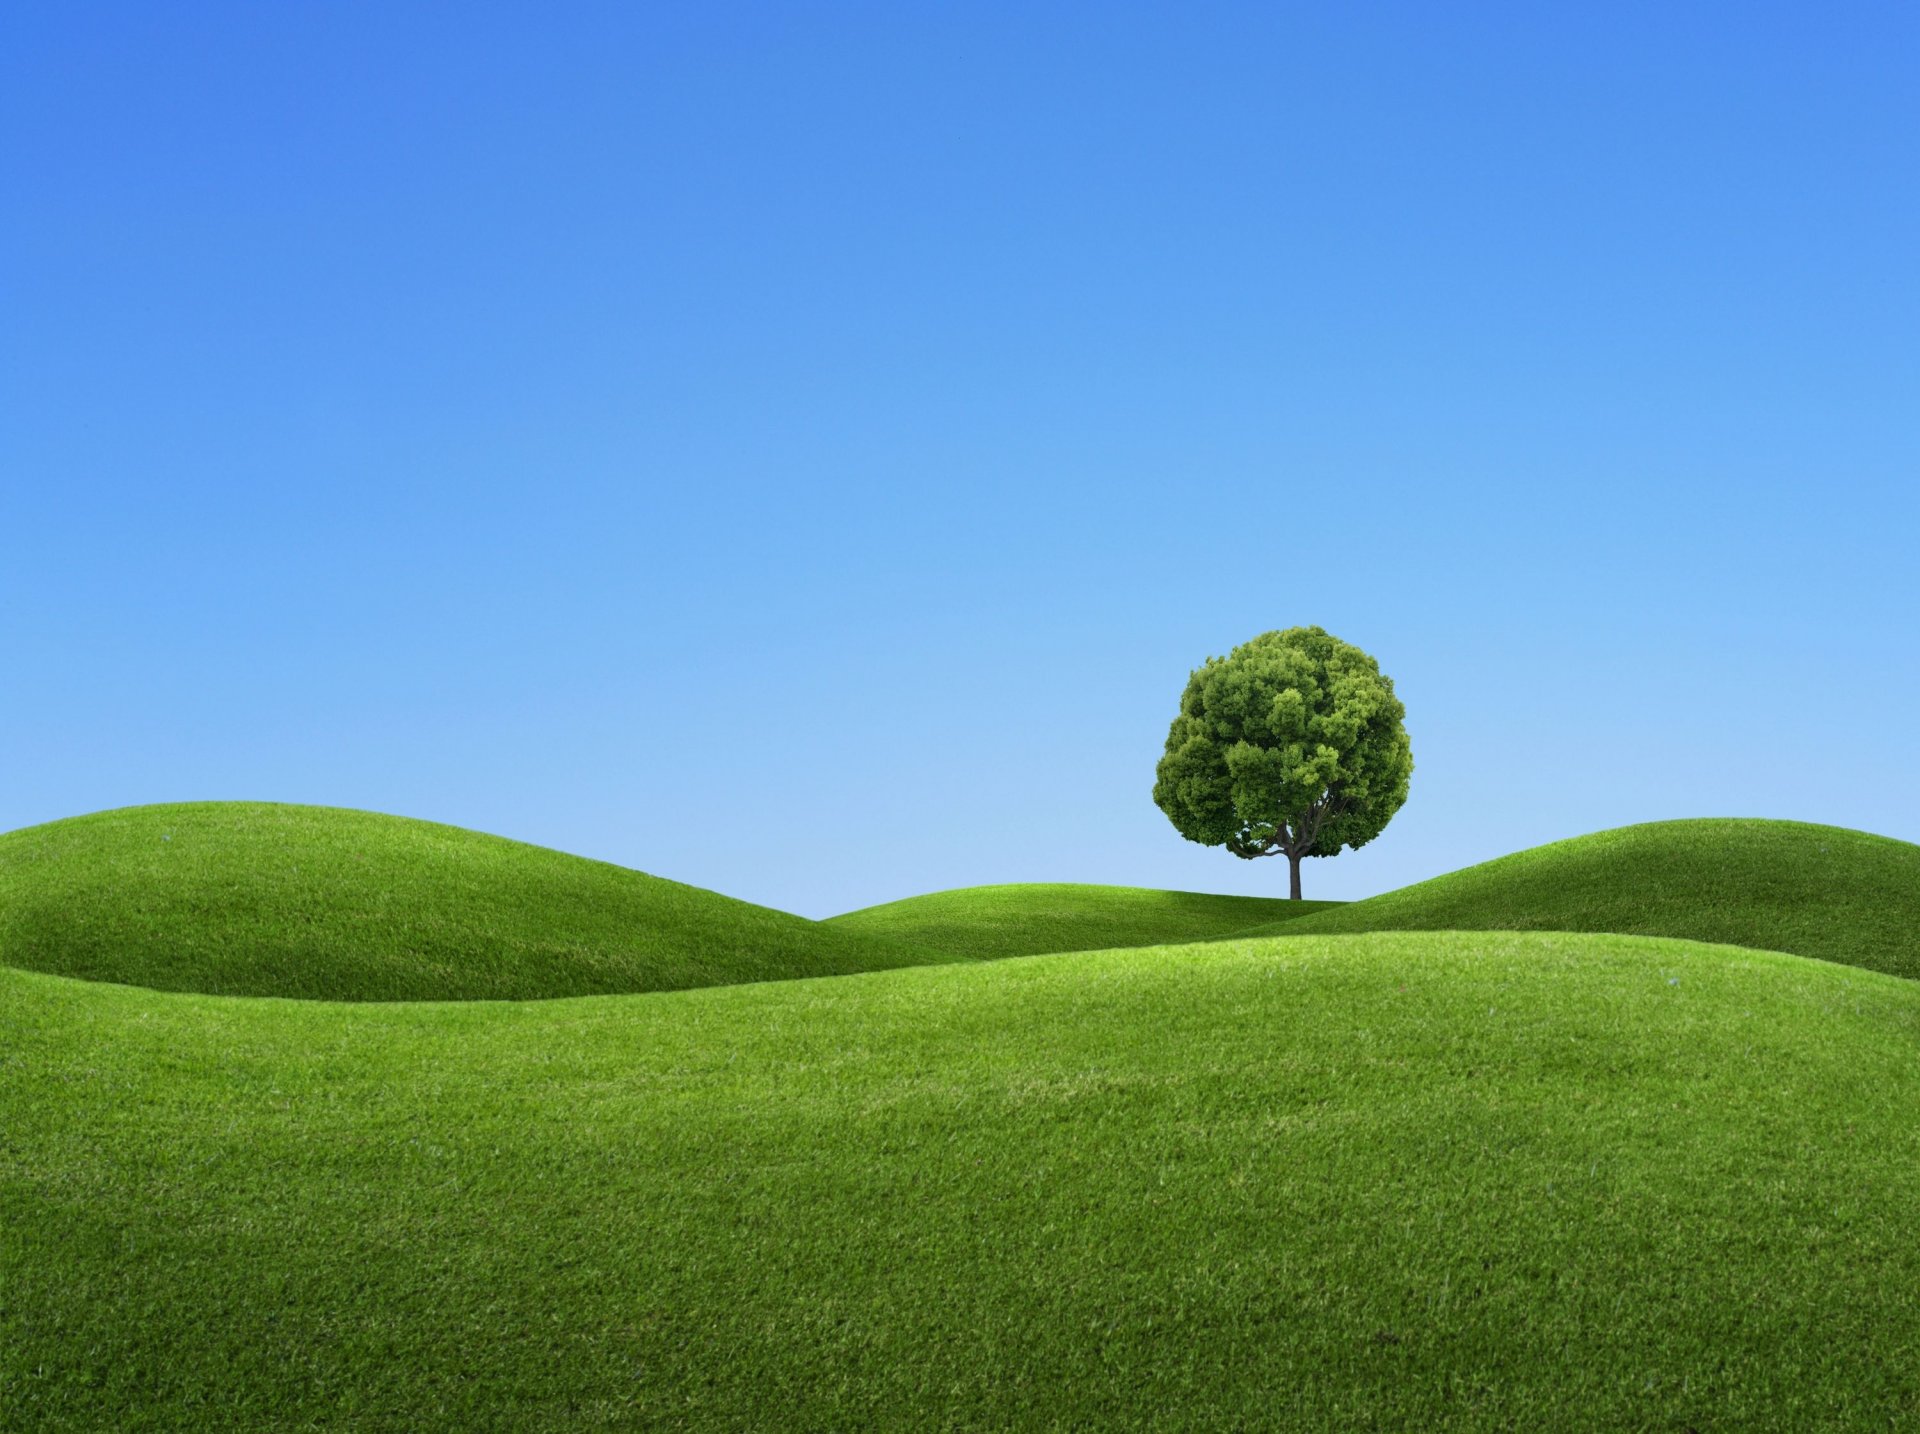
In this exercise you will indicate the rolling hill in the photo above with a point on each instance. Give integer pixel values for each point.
(263, 899)
(1812, 890)
(1511, 1180)
(1026, 920)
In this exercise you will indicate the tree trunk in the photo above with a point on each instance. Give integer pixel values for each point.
(1293, 862)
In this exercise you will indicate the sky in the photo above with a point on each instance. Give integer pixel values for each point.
(803, 450)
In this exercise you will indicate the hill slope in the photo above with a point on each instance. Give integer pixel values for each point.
(262, 899)
(1781, 886)
(1404, 1181)
(1027, 920)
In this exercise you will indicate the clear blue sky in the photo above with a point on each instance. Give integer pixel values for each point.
(801, 450)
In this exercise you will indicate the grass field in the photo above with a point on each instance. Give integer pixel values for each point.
(1782, 886)
(1026, 920)
(259, 899)
(1411, 1181)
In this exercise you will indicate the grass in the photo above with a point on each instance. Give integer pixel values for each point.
(1408, 1181)
(259, 899)
(1539, 1177)
(983, 921)
(1784, 886)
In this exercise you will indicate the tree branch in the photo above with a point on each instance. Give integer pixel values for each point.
(1258, 846)
(1331, 804)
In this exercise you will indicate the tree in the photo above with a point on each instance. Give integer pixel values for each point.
(1292, 744)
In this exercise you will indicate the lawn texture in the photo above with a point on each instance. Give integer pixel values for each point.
(1420, 1181)
(1027, 920)
(263, 899)
(1812, 890)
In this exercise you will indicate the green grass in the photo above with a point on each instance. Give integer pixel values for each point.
(250, 898)
(1516, 1181)
(1783, 886)
(1417, 1178)
(1027, 920)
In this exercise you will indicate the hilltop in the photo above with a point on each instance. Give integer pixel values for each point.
(1026, 920)
(265, 899)
(1812, 890)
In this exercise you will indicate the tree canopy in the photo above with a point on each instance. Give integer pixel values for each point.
(1292, 745)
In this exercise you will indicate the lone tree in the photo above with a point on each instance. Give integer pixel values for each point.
(1292, 744)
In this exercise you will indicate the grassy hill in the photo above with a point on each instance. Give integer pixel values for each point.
(1783, 886)
(1410, 1181)
(260, 899)
(1026, 920)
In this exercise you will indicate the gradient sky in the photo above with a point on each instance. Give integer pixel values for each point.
(802, 450)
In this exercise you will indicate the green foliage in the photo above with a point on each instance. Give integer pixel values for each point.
(1429, 1181)
(260, 899)
(1292, 744)
(1027, 920)
(1784, 886)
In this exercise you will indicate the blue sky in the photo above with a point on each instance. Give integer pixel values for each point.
(802, 450)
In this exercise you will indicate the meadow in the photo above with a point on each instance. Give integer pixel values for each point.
(1175, 1168)
(263, 899)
